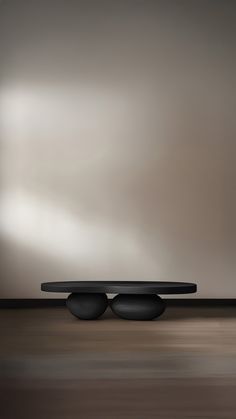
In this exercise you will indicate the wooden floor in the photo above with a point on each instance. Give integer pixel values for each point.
(181, 366)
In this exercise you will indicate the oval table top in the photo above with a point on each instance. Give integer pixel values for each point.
(120, 287)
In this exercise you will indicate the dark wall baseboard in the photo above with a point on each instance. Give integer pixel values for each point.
(60, 302)
(32, 302)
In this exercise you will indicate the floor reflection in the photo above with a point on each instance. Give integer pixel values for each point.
(179, 366)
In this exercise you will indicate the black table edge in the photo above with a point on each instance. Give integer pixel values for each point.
(109, 287)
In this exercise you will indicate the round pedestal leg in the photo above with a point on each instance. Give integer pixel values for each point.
(87, 306)
(137, 306)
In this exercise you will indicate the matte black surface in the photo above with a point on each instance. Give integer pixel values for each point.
(87, 306)
(120, 287)
(137, 307)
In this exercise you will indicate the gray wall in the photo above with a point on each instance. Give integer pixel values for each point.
(117, 143)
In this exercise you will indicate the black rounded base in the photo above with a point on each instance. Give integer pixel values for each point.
(137, 306)
(90, 306)
(87, 306)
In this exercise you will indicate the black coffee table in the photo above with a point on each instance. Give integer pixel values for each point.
(136, 300)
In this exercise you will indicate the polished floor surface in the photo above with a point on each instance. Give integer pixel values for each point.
(181, 366)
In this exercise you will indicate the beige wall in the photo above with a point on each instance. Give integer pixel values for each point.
(117, 143)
